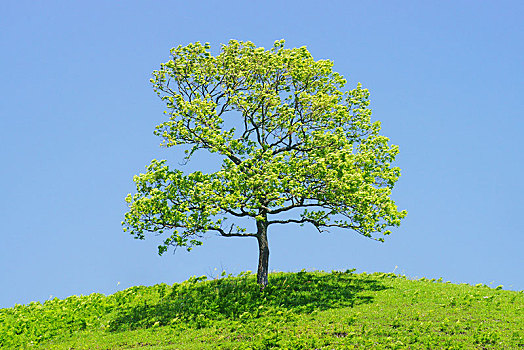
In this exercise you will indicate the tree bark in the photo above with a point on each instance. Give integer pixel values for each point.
(263, 253)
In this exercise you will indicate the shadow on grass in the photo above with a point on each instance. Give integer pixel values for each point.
(197, 302)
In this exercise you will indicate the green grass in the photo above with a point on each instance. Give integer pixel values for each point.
(304, 310)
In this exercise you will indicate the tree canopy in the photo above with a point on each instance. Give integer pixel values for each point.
(295, 149)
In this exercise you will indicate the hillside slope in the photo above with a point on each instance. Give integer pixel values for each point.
(304, 310)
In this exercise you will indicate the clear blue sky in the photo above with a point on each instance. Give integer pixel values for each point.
(78, 112)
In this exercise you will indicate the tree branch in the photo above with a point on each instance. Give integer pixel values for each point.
(317, 224)
(293, 206)
(242, 214)
(231, 233)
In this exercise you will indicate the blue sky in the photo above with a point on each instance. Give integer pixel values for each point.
(77, 115)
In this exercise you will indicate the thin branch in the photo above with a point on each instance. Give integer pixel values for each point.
(293, 206)
(231, 233)
(318, 225)
(242, 214)
(162, 226)
(295, 221)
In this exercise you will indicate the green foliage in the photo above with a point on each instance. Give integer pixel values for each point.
(305, 310)
(36, 322)
(291, 142)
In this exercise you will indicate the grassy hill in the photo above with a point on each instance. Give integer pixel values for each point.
(304, 310)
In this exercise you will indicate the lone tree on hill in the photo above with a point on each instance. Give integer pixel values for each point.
(301, 151)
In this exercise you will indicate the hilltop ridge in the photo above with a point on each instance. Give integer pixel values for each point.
(303, 310)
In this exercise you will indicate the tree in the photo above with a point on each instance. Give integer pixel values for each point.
(295, 150)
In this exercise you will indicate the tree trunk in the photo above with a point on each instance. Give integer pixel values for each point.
(263, 253)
